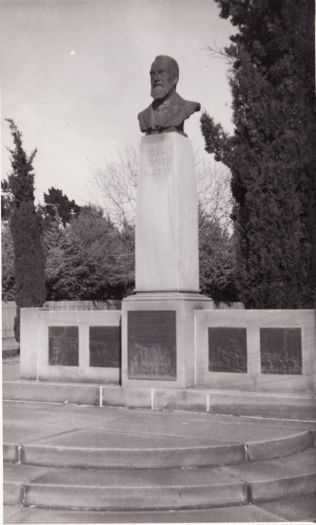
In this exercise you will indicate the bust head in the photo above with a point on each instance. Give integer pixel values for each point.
(164, 76)
(168, 111)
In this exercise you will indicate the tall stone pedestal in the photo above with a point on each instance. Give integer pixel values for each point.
(166, 216)
(158, 321)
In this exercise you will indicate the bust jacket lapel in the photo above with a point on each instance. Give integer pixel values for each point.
(175, 105)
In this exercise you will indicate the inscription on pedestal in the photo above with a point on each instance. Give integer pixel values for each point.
(105, 346)
(152, 345)
(157, 158)
(227, 349)
(281, 350)
(63, 345)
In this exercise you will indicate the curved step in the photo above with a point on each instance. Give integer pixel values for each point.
(227, 514)
(161, 488)
(131, 458)
(278, 478)
(298, 509)
(121, 489)
(156, 457)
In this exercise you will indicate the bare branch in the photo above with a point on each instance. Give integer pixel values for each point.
(116, 187)
(215, 51)
(213, 191)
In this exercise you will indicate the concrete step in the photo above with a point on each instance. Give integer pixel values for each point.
(148, 452)
(133, 458)
(228, 514)
(120, 489)
(299, 508)
(81, 394)
(241, 404)
(278, 478)
(233, 402)
(74, 436)
(114, 489)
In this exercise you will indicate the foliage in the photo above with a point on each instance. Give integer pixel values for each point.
(29, 259)
(271, 152)
(90, 259)
(53, 240)
(57, 204)
(217, 260)
(7, 256)
(25, 226)
(6, 199)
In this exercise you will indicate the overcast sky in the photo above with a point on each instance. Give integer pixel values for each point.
(76, 73)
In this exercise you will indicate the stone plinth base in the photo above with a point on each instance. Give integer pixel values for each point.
(158, 338)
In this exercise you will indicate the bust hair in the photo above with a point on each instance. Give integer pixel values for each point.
(173, 64)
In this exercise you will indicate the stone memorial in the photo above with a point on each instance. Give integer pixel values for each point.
(167, 335)
(167, 263)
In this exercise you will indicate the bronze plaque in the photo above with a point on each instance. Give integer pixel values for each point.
(281, 350)
(152, 345)
(105, 346)
(63, 345)
(227, 349)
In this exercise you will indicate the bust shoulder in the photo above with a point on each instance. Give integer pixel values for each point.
(183, 108)
(178, 111)
(190, 106)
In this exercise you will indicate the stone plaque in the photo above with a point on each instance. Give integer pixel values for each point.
(227, 349)
(105, 346)
(281, 350)
(152, 345)
(63, 345)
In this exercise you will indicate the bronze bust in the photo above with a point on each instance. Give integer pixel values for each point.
(168, 111)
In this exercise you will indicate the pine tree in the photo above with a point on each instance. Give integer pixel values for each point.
(91, 259)
(25, 226)
(271, 152)
(57, 203)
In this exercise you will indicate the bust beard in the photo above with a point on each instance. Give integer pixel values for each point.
(159, 92)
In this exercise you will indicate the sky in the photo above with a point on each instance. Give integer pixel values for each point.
(75, 74)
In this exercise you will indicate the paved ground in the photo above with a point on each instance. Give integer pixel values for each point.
(80, 426)
(73, 425)
(55, 424)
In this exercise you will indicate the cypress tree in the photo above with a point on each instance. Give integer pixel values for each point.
(25, 224)
(271, 152)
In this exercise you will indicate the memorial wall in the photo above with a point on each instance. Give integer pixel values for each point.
(256, 350)
(260, 350)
